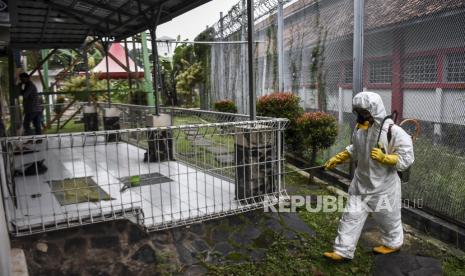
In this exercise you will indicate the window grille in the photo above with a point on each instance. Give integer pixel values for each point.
(380, 71)
(455, 67)
(421, 69)
(348, 72)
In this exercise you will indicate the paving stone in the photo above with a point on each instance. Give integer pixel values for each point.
(196, 270)
(179, 234)
(218, 150)
(145, 254)
(97, 272)
(274, 225)
(265, 239)
(185, 256)
(201, 142)
(121, 269)
(200, 245)
(105, 242)
(42, 247)
(293, 221)
(191, 132)
(239, 239)
(162, 237)
(136, 234)
(198, 228)
(219, 235)
(235, 220)
(251, 231)
(75, 246)
(257, 254)
(289, 234)
(52, 256)
(401, 264)
(223, 248)
(225, 159)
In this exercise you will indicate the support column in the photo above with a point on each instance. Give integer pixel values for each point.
(437, 126)
(148, 85)
(106, 46)
(222, 76)
(244, 59)
(250, 48)
(126, 53)
(397, 97)
(155, 69)
(13, 103)
(359, 9)
(280, 38)
(44, 53)
(340, 106)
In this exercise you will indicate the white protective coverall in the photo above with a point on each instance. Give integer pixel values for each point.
(374, 185)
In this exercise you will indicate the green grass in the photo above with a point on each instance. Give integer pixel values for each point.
(70, 127)
(306, 258)
(437, 177)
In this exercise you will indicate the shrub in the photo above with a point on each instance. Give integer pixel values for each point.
(225, 106)
(318, 130)
(138, 97)
(283, 105)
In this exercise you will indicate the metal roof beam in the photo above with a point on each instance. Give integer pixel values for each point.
(72, 10)
(46, 44)
(95, 28)
(44, 25)
(141, 14)
(108, 7)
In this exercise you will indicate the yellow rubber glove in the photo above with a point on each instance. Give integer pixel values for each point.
(336, 160)
(385, 159)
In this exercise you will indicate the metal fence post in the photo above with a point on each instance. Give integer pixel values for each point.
(250, 43)
(280, 38)
(359, 6)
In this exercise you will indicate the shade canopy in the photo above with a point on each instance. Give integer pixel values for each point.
(41, 24)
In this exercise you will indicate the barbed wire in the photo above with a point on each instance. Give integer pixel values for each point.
(237, 16)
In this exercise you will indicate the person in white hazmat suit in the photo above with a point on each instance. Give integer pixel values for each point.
(376, 186)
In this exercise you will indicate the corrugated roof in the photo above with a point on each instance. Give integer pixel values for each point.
(337, 15)
(66, 23)
(115, 71)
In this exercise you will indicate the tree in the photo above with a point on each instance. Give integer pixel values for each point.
(187, 80)
(78, 88)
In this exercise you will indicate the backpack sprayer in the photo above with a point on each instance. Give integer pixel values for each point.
(411, 126)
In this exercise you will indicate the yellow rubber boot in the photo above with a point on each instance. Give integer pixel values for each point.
(385, 250)
(333, 256)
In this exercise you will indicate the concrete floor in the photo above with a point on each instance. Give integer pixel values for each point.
(191, 193)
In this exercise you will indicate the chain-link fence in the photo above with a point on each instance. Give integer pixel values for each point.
(414, 58)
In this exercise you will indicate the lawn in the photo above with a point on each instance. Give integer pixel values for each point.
(70, 127)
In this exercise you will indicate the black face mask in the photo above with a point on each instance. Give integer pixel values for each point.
(361, 119)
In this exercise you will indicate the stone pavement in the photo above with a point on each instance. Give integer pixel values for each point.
(121, 248)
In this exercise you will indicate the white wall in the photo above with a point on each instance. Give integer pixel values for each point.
(453, 103)
(420, 104)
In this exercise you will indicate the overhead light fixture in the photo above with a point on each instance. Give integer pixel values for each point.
(57, 19)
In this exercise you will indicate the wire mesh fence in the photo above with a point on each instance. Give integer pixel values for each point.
(159, 177)
(414, 54)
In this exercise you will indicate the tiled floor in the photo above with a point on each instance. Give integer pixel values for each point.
(191, 193)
